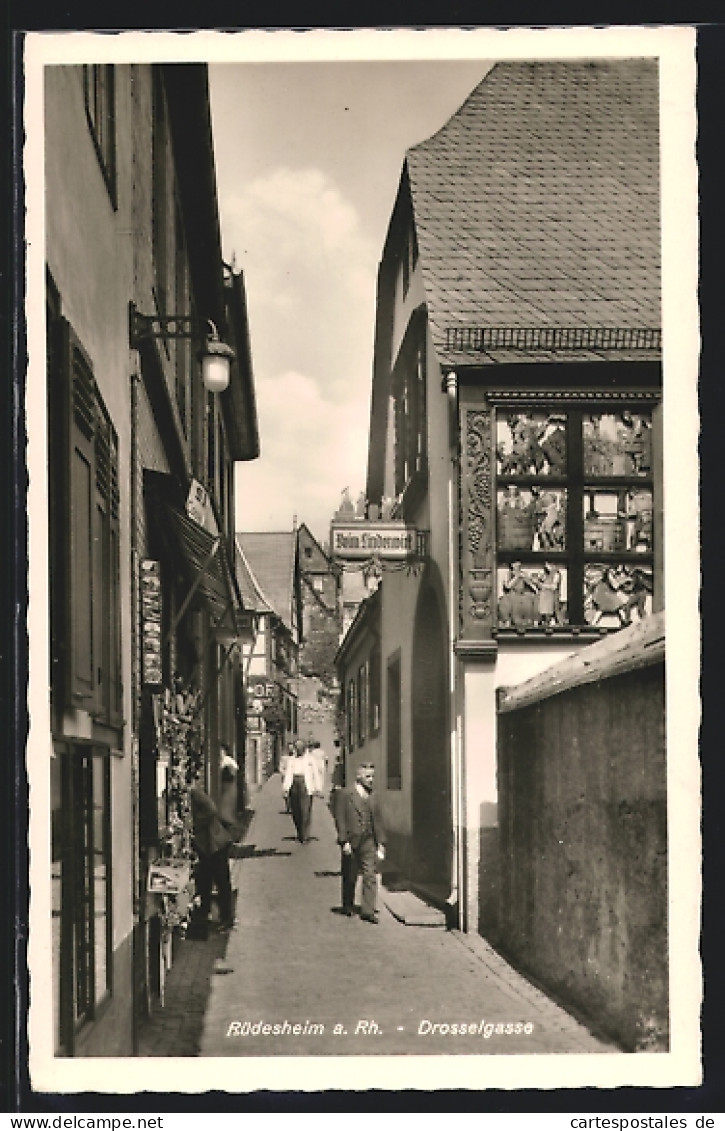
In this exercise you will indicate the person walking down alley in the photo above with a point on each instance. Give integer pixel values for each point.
(212, 841)
(301, 783)
(284, 761)
(361, 836)
(321, 756)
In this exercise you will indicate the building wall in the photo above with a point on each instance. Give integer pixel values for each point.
(397, 617)
(476, 708)
(321, 625)
(373, 749)
(400, 590)
(89, 255)
(101, 255)
(583, 850)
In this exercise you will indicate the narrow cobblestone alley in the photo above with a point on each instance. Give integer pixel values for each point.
(327, 985)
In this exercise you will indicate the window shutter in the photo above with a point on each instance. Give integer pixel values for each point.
(106, 604)
(79, 426)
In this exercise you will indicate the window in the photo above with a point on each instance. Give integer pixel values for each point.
(82, 877)
(410, 258)
(84, 532)
(374, 689)
(574, 517)
(100, 99)
(410, 413)
(393, 729)
(362, 703)
(351, 714)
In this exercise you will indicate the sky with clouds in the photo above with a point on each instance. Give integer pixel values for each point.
(308, 160)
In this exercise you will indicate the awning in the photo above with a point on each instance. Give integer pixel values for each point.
(210, 575)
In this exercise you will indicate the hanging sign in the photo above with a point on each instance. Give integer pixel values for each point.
(151, 623)
(199, 508)
(389, 541)
(262, 688)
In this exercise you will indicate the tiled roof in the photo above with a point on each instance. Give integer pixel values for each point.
(537, 204)
(253, 597)
(271, 558)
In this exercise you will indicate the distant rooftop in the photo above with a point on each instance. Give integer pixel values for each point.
(271, 556)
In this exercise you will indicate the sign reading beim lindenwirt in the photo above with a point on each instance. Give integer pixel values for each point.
(389, 541)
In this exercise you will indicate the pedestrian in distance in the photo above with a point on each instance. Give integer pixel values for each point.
(301, 783)
(284, 761)
(337, 783)
(361, 836)
(318, 753)
(212, 840)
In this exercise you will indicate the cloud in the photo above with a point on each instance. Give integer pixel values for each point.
(310, 277)
(311, 448)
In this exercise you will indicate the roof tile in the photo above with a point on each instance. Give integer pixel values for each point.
(271, 558)
(538, 202)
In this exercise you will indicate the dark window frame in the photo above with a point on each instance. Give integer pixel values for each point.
(409, 257)
(363, 699)
(85, 773)
(99, 96)
(375, 689)
(350, 713)
(410, 418)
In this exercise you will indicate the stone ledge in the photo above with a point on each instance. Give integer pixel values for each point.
(408, 909)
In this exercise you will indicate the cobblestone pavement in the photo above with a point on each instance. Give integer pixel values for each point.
(348, 986)
(175, 1029)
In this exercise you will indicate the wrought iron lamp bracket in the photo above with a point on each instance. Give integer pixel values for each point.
(143, 327)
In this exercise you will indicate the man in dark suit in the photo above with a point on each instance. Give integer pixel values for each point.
(361, 836)
(212, 841)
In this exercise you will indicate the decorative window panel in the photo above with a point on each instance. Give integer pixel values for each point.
(557, 512)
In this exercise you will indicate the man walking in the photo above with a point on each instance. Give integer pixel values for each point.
(361, 836)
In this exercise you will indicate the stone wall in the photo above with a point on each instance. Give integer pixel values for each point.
(583, 850)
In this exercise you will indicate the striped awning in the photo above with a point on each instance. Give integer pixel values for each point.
(209, 573)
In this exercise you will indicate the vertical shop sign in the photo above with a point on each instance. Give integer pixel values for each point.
(151, 623)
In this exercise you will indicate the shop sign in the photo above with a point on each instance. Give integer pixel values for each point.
(151, 623)
(199, 508)
(262, 689)
(169, 878)
(389, 541)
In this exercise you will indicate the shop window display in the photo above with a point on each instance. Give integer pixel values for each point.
(180, 743)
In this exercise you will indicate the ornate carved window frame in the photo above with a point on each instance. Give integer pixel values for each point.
(478, 632)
